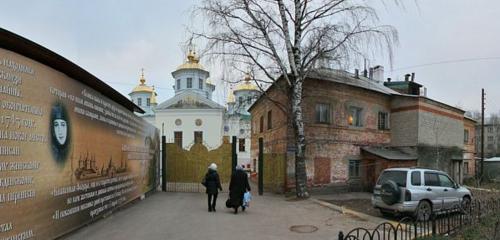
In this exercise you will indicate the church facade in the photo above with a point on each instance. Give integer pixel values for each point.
(238, 120)
(191, 116)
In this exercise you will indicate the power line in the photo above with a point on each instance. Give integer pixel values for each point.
(448, 62)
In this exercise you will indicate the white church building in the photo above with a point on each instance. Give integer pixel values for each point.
(238, 119)
(191, 116)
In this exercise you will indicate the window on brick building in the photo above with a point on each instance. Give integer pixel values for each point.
(261, 126)
(198, 137)
(189, 83)
(490, 138)
(322, 113)
(466, 136)
(355, 117)
(466, 167)
(178, 139)
(241, 145)
(383, 121)
(354, 168)
(490, 129)
(269, 120)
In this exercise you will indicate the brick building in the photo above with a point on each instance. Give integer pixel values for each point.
(469, 147)
(356, 126)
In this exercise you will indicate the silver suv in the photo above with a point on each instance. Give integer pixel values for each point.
(417, 191)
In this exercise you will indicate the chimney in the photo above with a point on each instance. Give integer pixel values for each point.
(388, 79)
(407, 77)
(378, 73)
(370, 74)
(413, 77)
(356, 73)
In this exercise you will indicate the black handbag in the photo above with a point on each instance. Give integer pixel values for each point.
(228, 203)
(204, 181)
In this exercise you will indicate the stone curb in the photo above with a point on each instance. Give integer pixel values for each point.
(344, 210)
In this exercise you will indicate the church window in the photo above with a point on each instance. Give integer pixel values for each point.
(139, 101)
(383, 121)
(148, 102)
(178, 139)
(198, 137)
(249, 100)
(241, 145)
(178, 84)
(200, 83)
(189, 83)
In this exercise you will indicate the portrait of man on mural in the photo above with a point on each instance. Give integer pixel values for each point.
(60, 133)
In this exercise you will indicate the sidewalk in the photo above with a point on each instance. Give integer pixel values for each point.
(185, 216)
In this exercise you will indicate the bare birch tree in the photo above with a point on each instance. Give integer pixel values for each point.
(286, 39)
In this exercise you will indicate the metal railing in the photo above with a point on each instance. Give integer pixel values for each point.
(445, 222)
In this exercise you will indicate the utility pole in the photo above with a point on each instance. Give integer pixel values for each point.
(482, 136)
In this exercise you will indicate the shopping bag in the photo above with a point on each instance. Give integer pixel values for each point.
(247, 197)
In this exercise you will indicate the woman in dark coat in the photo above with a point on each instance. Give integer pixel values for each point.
(212, 183)
(237, 188)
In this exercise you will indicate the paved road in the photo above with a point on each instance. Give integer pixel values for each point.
(185, 216)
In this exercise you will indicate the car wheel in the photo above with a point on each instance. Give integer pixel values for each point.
(424, 211)
(465, 203)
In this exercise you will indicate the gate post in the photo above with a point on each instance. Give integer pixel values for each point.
(261, 166)
(234, 156)
(164, 163)
(341, 235)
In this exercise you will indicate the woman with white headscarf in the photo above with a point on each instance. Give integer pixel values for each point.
(212, 183)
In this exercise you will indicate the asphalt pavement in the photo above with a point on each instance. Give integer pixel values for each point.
(169, 215)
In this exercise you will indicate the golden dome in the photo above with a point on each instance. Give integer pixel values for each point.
(247, 85)
(142, 87)
(230, 98)
(193, 62)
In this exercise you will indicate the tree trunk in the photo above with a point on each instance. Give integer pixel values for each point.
(300, 142)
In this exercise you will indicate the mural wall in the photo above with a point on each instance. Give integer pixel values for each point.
(68, 154)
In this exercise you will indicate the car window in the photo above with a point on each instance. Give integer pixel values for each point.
(431, 179)
(445, 181)
(416, 179)
(399, 177)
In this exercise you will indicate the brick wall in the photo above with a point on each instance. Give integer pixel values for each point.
(329, 145)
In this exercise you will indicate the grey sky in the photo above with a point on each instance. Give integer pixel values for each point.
(114, 39)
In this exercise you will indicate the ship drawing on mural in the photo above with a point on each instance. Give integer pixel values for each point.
(87, 168)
